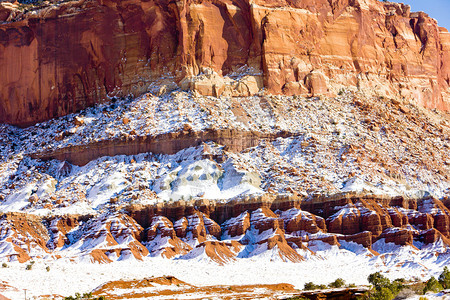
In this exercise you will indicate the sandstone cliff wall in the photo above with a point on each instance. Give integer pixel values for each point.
(62, 58)
(169, 143)
(281, 223)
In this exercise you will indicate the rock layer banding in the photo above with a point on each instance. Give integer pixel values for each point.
(169, 143)
(223, 232)
(62, 58)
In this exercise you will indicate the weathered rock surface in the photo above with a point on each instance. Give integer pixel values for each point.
(21, 236)
(107, 238)
(162, 239)
(165, 143)
(58, 230)
(61, 58)
(399, 236)
(361, 216)
(276, 227)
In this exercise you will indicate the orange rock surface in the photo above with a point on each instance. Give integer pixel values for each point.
(61, 58)
(260, 226)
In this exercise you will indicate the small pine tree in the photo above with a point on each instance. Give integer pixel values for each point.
(444, 278)
(382, 294)
(378, 280)
(384, 288)
(432, 285)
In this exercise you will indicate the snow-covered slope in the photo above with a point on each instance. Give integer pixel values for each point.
(348, 184)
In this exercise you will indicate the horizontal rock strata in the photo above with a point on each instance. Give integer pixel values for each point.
(284, 225)
(62, 58)
(169, 143)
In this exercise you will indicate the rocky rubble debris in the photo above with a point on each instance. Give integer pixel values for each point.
(332, 130)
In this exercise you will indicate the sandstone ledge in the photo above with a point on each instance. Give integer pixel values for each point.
(169, 143)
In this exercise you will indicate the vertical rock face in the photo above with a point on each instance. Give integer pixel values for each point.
(79, 53)
(62, 58)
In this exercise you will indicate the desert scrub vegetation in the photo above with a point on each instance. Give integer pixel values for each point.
(437, 285)
(432, 285)
(309, 286)
(383, 288)
(444, 278)
(29, 266)
(85, 296)
(338, 283)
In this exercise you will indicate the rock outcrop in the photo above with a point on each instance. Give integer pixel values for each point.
(57, 59)
(162, 240)
(278, 228)
(107, 238)
(169, 143)
(21, 236)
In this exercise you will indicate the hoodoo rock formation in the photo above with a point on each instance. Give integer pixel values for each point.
(284, 227)
(64, 57)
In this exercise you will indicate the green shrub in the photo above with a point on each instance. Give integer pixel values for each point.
(85, 296)
(444, 278)
(382, 294)
(4, 265)
(310, 286)
(432, 285)
(384, 289)
(378, 280)
(337, 283)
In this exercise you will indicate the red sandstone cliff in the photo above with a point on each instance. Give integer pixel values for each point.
(59, 59)
(226, 231)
